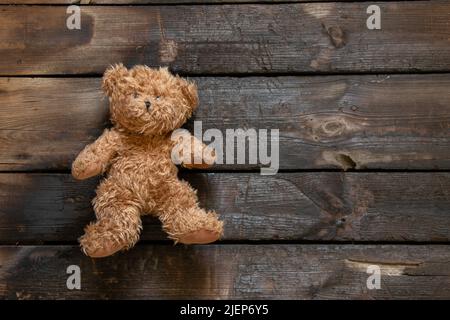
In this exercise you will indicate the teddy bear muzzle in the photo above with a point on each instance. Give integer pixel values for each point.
(148, 104)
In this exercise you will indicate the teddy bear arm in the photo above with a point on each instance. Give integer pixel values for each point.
(195, 154)
(203, 152)
(94, 158)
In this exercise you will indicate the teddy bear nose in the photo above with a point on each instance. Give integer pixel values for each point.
(148, 104)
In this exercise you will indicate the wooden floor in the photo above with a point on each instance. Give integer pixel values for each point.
(364, 120)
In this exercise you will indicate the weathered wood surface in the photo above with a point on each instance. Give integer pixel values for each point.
(376, 122)
(190, 2)
(311, 37)
(229, 271)
(291, 206)
(326, 122)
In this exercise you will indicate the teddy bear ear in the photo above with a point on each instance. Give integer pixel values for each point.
(113, 77)
(189, 91)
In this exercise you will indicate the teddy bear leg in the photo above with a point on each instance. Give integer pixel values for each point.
(117, 227)
(184, 221)
(192, 226)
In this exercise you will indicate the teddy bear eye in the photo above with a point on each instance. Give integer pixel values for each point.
(158, 97)
(135, 95)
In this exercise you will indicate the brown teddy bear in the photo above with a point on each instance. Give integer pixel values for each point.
(146, 106)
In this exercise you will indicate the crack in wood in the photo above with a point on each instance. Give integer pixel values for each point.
(386, 268)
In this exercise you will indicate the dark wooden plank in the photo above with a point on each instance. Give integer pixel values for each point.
(375, 122)
(190, 2)
(290, 206)
(312, 37)
(229, 272)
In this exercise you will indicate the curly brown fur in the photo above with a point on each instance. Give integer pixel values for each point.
(146, 105)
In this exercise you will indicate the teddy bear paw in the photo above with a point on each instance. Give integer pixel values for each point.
(106, 249)
(87, 171)
(201, 236)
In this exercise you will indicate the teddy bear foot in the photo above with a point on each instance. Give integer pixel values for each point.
(107, 249)
(201, 236)
(99, 247)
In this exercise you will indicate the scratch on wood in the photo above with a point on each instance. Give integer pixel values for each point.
(336, 35)
(168, 48)
(22, 295)
(360, 159)
(323, 59)
(386, 268)
(345, 161)
(318, 11)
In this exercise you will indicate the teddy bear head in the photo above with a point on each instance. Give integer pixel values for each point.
(148, 101)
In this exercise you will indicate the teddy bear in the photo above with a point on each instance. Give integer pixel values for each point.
(147, 108)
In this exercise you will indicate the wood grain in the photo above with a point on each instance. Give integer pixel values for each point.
(162, 2)
(292, 206)
(325, 122)
(346, 121)
(228, 272)
(284, 38)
